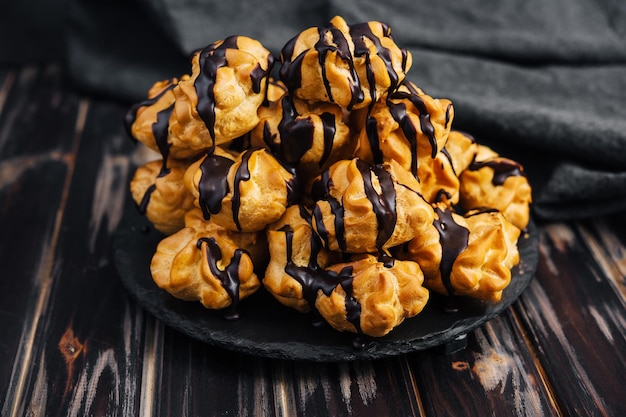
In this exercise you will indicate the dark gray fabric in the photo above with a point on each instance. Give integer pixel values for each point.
(541, 81)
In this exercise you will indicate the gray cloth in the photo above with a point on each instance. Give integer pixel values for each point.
(542, 82)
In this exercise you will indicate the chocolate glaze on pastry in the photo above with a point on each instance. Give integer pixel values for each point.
(408, 126)
(244, 192)
(496, 182)
(362, 208)
(351, 65)
(207, 263)
(148, 120)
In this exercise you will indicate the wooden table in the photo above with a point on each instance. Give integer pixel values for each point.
(74, 343)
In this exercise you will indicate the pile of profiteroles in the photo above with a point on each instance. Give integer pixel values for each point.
(333, 182)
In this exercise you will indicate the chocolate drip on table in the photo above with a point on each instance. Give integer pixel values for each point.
(502, 169)
(229, 277)
(454, 239)
(313, 278)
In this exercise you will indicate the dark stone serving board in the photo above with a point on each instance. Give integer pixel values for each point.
(268, 329)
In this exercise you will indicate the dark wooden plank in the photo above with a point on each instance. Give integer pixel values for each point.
(88, 341)
(197, 379)
(577, 320)
(360, 388)
(33, 190)
(495, 375)
(38, 110)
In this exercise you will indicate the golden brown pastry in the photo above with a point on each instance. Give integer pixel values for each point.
(219, 101)
(409, 127)
(161, 195)
(364, 208)
(460, 149)
(205, 262)
(148, 120)
(499, 183)
(242, 193)
(372, 296)
(350, 65)
(438, 181)
(468, 256)
(297, 259)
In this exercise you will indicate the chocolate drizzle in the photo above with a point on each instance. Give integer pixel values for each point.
(383, 203)
(361, 31)
(210, 59)
(502, 169)
(331, 40)
(213, 185)
(242, 174)
(160, 131)
(454, 239)
(145, 200)
(338, 44)
(229, 277)
(159, 128)
(321, 191)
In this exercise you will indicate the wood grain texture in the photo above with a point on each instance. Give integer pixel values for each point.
(576, 319)
(75, 344)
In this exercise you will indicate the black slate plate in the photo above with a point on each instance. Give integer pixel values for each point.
(268, 329)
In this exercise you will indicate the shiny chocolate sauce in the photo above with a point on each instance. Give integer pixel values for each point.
(160, 131)
(229, 277)
(242, 174)
(454, 239)
(321, 191)
(213, 185)
(131, 115)
(399, 114)
(359, 32)
(297, 134)
(331, 40)
(384, 204)
(502, 169)
(145, 200)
